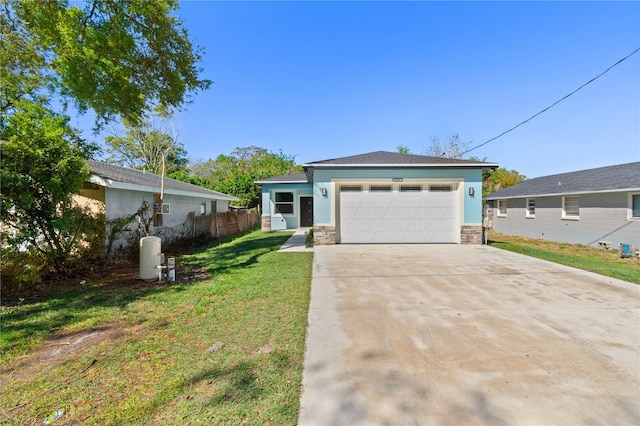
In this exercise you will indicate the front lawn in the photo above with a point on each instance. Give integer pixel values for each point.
(225, 347)
(600, 261)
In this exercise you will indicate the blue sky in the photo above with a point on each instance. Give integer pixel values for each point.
(322, 80)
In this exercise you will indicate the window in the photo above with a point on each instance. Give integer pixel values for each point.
(531, 208)
(203, 208)
(380, 188)
(410, 188)
(440, 188)
(571, 207)
(634, 206)
(284, 202)
(214, 206)
(502, 208)
(351, 188)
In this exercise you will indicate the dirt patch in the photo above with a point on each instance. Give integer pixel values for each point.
(66, 346)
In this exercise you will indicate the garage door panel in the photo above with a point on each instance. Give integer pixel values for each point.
(398, 217)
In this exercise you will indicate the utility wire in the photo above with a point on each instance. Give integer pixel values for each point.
(550, 106)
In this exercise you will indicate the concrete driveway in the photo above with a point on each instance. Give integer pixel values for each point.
(452, 335)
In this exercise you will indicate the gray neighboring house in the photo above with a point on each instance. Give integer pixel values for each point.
(119, 192)
(583, 207)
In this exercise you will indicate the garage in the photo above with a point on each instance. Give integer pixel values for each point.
(408, 212)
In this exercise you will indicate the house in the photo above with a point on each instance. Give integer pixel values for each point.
(379, 197)
(120, 192)
(593, 207)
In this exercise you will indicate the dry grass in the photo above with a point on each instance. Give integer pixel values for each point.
(605, 262)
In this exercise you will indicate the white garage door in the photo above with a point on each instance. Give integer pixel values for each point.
(398, 214)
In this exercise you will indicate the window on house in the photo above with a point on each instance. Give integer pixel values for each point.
(571, 207)
(351, 188)
(380, 188)
(284, 202)
(440, 188)
(634, 206)
(531, 207)
(410, 188)
(502, 208)
(203, 208)
(214, 206)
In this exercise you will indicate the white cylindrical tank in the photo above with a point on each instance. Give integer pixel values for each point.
(150, 249)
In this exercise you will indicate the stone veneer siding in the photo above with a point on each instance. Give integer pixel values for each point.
(266, 223)
(471, 234)
(324, 235)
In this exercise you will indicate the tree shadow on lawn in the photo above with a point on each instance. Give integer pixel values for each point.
(72, 304)
(227, 388)
(236, 254)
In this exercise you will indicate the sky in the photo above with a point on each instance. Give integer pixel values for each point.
(321, 80)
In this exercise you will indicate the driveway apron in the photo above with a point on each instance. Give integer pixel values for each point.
(450, 334)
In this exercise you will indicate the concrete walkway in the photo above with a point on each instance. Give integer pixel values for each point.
(452, 335)
(297, 242)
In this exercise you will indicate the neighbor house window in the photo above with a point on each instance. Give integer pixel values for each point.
(502, 208)
(571, 207)
(284, 202)
(634, 206)
(531, 207)
(214, 206)
(203, 208)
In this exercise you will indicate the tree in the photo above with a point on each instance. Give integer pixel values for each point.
(143, 147)
(492, 180)
(43, 164)
(235, 174)
(452, 147)
(113, 57)
(403, 149)
(500, 178)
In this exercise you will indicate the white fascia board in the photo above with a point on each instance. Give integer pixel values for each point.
(155, 189)
(402, 166)
(272, 182)
(561, 194)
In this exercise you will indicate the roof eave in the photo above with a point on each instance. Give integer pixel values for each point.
(404, 165)
(557, 194)
(269, 182)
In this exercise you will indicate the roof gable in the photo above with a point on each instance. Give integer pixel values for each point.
(601, 179)
(107, 174)
(386, 159)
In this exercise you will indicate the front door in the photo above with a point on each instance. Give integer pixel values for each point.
(306, 212)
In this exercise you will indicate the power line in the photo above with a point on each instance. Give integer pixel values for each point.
(550, 106)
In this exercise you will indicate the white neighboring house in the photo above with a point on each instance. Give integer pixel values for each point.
(591, 207)
(120, 192)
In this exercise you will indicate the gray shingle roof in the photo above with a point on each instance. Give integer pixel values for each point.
(290, 178)
(610, 178)
(145, 179)
(386, 159)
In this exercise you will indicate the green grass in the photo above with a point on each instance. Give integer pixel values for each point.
(604, 262)
(140, 354)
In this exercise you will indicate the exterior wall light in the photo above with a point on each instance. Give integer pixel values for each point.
(471, 191)
(324, 192)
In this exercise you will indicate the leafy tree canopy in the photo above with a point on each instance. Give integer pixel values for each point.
(146, 146)
(236, 173)
(113, 57)
(42, 165)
